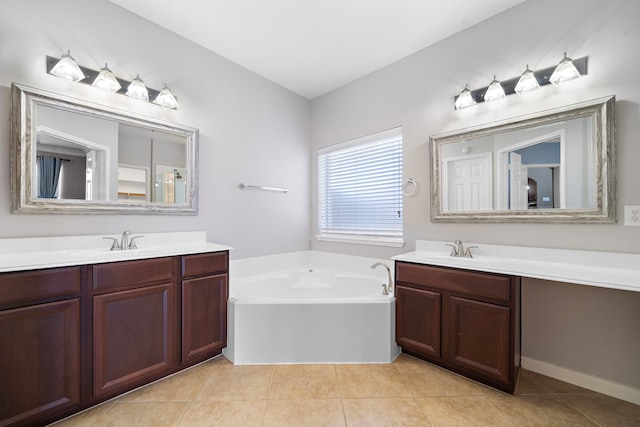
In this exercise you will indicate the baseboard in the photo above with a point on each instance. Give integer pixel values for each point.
(590, 382)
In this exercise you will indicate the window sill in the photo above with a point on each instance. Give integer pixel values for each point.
(368, 240)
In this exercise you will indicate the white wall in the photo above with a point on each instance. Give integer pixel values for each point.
(251, 130)
(417, 94)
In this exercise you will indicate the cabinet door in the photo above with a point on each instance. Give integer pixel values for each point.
(418, 320)
(204, 317)
(134, 337)
(479, 337)
(39, 361)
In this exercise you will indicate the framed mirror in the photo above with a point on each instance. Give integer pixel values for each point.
(72, 156)
(553, 166)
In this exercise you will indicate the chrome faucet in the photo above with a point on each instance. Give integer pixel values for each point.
(389, 287)
(125, 242)
(458, 250)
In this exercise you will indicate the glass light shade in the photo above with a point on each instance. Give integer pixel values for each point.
(166, 98)
(67, 68)
(527, 82)
(106, 80)
(494, 91)
(564, 71)
(137, 89)
(465, 99)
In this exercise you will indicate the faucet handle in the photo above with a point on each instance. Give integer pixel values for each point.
(132, 242)
(114, 246)
(385, 291)
(467, 253)
(454, 251)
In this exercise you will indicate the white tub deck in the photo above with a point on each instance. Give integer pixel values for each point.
(289, 331)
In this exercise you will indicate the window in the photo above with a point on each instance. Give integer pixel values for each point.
(360, 190)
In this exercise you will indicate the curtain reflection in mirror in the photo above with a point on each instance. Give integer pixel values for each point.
(49, 169)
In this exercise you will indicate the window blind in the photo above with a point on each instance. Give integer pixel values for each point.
(360, 188)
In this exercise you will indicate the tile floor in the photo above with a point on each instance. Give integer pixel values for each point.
(407, 392)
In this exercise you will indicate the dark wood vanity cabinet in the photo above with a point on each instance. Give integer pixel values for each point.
(73, 337)
(466, 321)
(204, 305)
(39, 344)
(134, 311)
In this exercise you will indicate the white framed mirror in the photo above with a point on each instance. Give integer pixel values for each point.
(73, 156)
(552, 166)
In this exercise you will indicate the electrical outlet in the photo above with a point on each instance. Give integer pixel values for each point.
(632, 216)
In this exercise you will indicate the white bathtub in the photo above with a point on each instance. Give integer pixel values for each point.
(310, 307)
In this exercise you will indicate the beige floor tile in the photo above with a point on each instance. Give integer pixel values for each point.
(404, 362)
(304, 382)
(241, 413)
(370, 381)
(181, 387)
(534, 383)
(382, 412)
(245, 382)
(304, 412)
(605, 410)
(541, 410)
(142, 414)
(462, 411)
(86, 418)
(432, 381)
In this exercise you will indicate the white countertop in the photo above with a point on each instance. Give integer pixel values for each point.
(46, 252)
(601, 269)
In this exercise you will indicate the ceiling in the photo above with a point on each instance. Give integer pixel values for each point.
(312, 47)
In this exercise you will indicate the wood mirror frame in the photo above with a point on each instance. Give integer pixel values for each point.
(601, 209)
(24, 127)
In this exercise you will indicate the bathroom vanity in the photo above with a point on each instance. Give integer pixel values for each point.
(464, 313)
(466, 321)
(77, 334)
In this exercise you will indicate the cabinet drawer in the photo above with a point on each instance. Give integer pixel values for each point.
(30, 286)
(194, 265)
(474, 283)
(132, 274)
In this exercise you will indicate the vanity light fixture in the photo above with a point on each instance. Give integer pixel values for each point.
(567, 69)
(527, 82)
(106, 80)
(137, 89)
(494, 91)
(67, 68)
(166, 98)
(465, 99)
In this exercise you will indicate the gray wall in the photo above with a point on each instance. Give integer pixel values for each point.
(417, 94)
(251, 130)
(254, 131)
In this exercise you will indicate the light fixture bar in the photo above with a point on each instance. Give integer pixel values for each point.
(542, 76)
(92, 74)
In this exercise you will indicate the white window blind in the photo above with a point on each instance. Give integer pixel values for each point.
(360, 190)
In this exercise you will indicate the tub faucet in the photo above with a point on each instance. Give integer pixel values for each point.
(389, 287)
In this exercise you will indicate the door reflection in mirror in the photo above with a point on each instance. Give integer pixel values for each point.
(88, 143)
(492, 172)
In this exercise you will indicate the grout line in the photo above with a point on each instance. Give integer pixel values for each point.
(506, 415)
(561, 397)
(184, 413)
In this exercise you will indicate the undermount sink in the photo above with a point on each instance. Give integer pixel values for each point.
(109, 254)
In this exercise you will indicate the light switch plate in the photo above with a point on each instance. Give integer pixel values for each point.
(632, 216)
